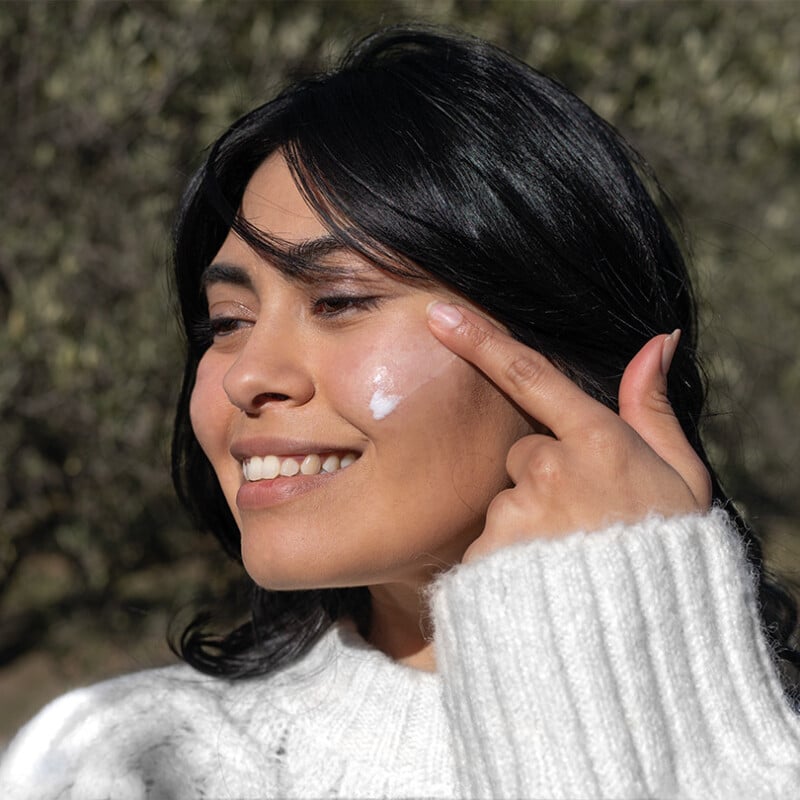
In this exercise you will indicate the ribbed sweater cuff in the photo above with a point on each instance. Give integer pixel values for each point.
(622, 663)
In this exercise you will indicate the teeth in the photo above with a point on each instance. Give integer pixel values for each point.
(260, 468)
(311, 464)
(289, 467)
(331, 464)
(271, 468)
(252, 468)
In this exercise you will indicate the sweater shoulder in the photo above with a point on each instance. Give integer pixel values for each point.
(94, 711)
(127, 734)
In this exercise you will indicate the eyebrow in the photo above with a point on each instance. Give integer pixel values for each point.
(315, 249)
(310, 251)
(223, 272)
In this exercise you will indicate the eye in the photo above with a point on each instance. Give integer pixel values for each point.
(205, 331)
(341, 304)
(225, 326)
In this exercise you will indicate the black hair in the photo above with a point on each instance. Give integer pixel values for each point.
(439, 156)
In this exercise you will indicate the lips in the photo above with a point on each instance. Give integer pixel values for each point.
(298, 474)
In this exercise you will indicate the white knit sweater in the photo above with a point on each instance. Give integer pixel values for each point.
(627, 663)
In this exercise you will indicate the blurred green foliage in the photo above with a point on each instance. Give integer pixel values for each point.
(108, 108)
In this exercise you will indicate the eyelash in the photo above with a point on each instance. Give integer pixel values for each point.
(204, 331)
(341, 304)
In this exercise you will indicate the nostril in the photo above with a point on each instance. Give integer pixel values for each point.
(263, 399)
(269, 397)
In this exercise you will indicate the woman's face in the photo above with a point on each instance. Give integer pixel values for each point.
(307, 376)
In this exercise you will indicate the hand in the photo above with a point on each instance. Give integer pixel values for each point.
(595, 467)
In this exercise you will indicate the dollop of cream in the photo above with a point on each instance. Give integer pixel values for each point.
(382, 404)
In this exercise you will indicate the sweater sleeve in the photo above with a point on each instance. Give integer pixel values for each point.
(625, 663)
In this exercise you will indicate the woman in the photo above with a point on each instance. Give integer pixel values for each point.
(442, 399)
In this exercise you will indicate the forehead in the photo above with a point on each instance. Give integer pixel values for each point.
(273, 204)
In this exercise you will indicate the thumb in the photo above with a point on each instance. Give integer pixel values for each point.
(644, 405)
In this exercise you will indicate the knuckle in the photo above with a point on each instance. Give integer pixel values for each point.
(525, 372)
(653, 401)
(500, 504)
(522, 450)
(547, 471)
(481, 338)
(657, 401)
(543, 466)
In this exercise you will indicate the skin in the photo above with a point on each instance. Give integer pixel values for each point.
(612, 468)
(423, 495)
(415, 500)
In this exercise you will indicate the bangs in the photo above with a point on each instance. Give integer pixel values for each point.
(306, 261)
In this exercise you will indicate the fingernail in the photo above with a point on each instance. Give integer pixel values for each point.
(668, 350)
(444, 315)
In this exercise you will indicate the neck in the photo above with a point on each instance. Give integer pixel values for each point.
(400, 626)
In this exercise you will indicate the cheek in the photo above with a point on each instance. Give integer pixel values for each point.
(377, 380)
(209, 407)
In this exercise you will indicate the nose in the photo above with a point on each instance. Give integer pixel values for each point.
(271, 368)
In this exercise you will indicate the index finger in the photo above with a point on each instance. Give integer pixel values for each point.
(522, 373)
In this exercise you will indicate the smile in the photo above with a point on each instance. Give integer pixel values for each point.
(260, 468)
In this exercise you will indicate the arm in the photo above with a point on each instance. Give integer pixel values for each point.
(626, 663)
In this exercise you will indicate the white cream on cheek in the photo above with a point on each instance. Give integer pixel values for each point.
(385, 398)
(403, 369)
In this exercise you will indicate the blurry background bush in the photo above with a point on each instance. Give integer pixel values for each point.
(108, 109)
